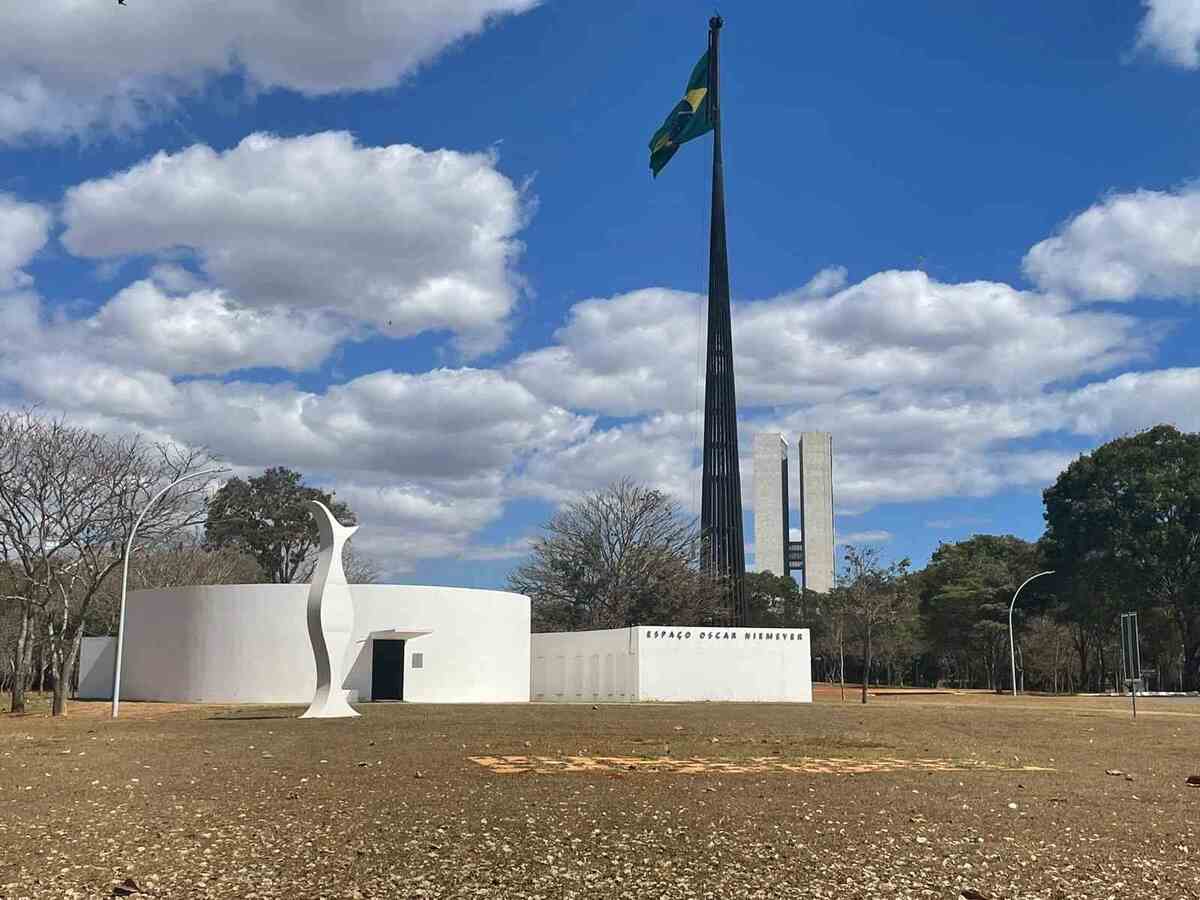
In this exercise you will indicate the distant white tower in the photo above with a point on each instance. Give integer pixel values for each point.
(816, 510)
(811, 558)
(770, 503)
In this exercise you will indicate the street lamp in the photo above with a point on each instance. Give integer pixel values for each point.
(1012, 652)
(116, 691)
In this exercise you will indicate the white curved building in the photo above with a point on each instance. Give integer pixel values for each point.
(249, 643)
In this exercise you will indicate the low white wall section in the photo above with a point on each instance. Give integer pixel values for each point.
(249, 643)
(665, 662)
(97, 656)
(751, 664)
(583, 666)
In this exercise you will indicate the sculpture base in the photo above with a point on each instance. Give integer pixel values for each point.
(332, 706)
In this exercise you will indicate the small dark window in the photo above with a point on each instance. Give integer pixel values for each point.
(418, 660)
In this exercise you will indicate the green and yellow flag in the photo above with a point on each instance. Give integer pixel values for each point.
(689, 119)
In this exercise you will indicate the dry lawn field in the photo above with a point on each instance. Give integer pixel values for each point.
(910, 796)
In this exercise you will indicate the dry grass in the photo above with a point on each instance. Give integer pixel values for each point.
(252, 802)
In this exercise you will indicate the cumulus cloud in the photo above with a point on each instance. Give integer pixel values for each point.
(876, 536)
(426, 460)
(144, 327)
(24, 228)
(658, 451)
(260, 258)
(405, 239)
(461, 429)
(1133, 401)
(68, 68)
(405, 523)
(1171, 30)
(1144, 243)
(640, 352)
(205, 332)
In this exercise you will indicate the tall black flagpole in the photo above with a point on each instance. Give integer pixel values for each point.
(721, 506)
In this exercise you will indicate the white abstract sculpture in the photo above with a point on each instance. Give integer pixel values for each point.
(330, 618)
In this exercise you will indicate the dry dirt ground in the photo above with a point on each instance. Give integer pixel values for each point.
(909, 796)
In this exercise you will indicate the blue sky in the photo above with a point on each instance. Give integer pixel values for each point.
(416, 252)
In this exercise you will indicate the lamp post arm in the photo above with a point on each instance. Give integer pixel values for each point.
(116, 692)
(1012, 646)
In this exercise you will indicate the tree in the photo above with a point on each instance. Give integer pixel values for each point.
(1047, 660)
(1127, 517)
(775, 601)
(266, 517)
(620, 556)
(833, 614)
(183, 560)
(964, 596)
(68, 501)
(359, 569)
(875, 597)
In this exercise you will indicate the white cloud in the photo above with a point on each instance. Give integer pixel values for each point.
(657, 451)
(640, 352)
(24, 228)
(627, 355)
(425, 460)
(1133, 401)
(67, 68)
(175, 278)
(143, 328)
(1171, 29)
(66, 380)
(931, 390)
(956, 522)
(205, 332)
(877, 536)
(458, 429)
(1144, 243)
(404, 523)
(405, 239)
(514, 549)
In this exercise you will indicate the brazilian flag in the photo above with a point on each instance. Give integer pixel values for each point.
(689, 119)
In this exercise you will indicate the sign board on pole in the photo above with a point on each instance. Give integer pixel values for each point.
(1131, 657)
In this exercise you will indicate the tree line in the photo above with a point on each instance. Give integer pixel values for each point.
(1122, 534)
(69, 498)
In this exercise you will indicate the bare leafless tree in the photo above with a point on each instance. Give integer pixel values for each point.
(616, 557)
(359, 569)
(68, 501)
(875, 597)
(183, 559)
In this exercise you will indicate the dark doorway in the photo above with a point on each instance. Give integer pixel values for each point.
(387, 670)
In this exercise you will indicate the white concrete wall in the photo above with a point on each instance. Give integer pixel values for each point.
(249, 643)
(478, 651)
(664, 662)
(97, 656)
(580, 666)
(748, 664)
(816, 510)
(730, 664)
(770, 503)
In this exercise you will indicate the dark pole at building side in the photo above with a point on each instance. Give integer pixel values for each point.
(721, 504)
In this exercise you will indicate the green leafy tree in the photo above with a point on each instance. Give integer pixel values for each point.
(1126, 518)
(266, 517)
(775, 601)
(964, 595)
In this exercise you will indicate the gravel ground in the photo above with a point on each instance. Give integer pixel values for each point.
(253, 803)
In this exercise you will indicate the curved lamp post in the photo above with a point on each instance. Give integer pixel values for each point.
(1012, 652)
(116, 692)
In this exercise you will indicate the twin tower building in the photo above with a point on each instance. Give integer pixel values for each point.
(810, 560)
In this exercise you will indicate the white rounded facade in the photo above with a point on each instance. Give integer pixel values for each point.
(249, 643)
